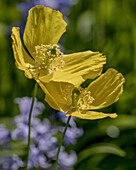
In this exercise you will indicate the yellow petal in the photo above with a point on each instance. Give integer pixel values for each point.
(60, 76)
(44, 26)
(54, 94)
(91, 115)
(22, 59)
(106, 89)
(54, 86)
(87, 64)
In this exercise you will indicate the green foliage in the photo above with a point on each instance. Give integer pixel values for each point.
(101, 148)
(15, 147)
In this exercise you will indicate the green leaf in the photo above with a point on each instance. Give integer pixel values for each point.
(14, 152)
(15, 147)
(7, 122)
(104, 148)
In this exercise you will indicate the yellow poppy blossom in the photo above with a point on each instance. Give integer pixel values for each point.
(43, 29)
(82, 103)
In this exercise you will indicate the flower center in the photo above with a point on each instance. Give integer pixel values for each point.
(78, 99)
(48, 58)
(85, 100)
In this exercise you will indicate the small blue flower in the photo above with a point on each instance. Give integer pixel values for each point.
(62, 116)
(11, 162)
(21, 132)
(25, 104)
(37, 159)
(71, 135)
(44, 143)
(61, 5)
(43, 127)
(47, 144)
(4, 135)
(67, 160)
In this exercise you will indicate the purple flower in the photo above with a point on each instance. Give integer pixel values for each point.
(21, 132)
(72, 131)
(24, 119)
(61, 5)
(43, 127)
(67, 160)
(62, 116)
(71, 135)
(44, 143)
(4, 135)
(25, 104)
(47, 144)
(37, 159)
(11, 162)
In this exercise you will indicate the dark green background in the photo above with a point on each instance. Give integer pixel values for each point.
(108, 26)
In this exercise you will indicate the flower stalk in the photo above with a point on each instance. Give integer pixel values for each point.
(60, 144)
(29, 125)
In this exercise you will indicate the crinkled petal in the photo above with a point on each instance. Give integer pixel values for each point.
(87, 64)
(53, 86)
(44, 26)
(54, 95)
(91, 115)
(107, 89)
(22, 59)
(60, 76)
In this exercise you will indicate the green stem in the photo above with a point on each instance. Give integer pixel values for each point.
(29, 125)
(60, 144)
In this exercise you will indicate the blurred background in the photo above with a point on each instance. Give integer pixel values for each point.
(105, 26)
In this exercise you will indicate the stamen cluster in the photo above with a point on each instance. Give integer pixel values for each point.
(79, 99)
(85, 100)
(48, 58)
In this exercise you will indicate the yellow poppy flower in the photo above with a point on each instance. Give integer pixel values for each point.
(81, 103)
(43, 29)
